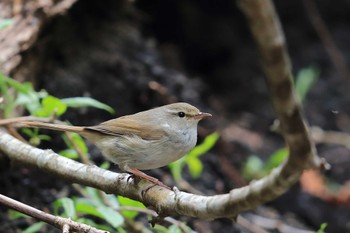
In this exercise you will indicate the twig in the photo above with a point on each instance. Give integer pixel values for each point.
(331, 137)
(65, 228)
(271, 224)
(16, 120)
(82, 155)
(59, 222)
(242, 221)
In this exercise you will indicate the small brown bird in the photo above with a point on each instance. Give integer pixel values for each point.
(142, 141)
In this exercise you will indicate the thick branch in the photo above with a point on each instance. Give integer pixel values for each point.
(165, 201)
(268, 35)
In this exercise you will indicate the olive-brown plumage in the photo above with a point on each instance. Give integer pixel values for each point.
(142, 141)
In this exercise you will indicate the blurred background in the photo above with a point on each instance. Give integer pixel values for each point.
(135, 55)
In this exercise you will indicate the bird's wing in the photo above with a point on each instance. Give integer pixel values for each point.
(129, 126)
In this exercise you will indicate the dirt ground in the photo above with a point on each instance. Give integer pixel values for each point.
(134, 56)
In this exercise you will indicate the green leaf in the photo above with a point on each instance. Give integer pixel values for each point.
(304, 81)
(77, 140)
(112, 200)
(111, 216)
(195, 167)
(69, 153)
(4, 23)
(105, 165)
(51, 106)
(85, 206)
(253, 167)
(205, 146)
(276, 158)
(44, 137)
(20, 87)
(176, 168)
(124, 201)
(160, 229)
(34, 228)
(30, 132)
(86, 102)
(90, 222)
(322, 228)
(68, 207)
(94, 196)
(13, 214)
(174, 229)
(27, 97)
(35, 141)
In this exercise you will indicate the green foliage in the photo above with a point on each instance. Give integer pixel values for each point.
(34, 137)
(4, 23)
(68, 206)
(74, 142)
(79, 208)
(105, 207)
(13, 214)
(77, 102)
(255, 168)
(276, 158)
(322, 228)
(51, 106)
(124, 201)
(191, 160)
(305, 80)
(34, 228)
(40, 103)
(105, 165)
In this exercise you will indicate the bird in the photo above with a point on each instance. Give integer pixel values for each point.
(142, 141)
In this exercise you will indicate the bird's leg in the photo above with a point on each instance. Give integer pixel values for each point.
(140, 174)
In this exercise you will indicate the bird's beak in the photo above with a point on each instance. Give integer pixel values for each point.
(202, 115)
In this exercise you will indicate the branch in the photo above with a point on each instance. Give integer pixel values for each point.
(270, 40)
(165, 201)
(59, 222)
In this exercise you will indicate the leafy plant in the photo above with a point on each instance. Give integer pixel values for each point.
(34, 228)
(304, 80)
(255, 167)
(97, 209)
(322, 228)
(191, 160)
(124, 201)
(42, 104)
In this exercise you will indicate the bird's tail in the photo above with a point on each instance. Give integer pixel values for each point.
(58, 127)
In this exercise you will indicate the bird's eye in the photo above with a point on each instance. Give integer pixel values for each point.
(181, 114)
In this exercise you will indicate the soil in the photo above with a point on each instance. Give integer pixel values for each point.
(134, 56)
